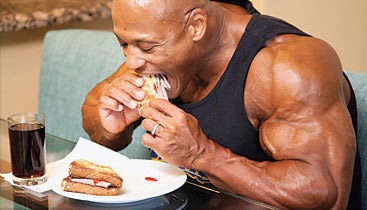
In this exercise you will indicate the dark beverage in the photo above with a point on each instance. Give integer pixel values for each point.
(27, 142)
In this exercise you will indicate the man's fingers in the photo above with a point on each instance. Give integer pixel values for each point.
(148, 125)
(131, 89)
(165, 107)
(155, 115)
(134, 78)
(122, 97)
(149, 141)
(126, 90)
(109, 103)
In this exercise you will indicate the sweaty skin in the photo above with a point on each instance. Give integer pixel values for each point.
(295, 96)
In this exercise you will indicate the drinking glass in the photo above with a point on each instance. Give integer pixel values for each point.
(27, 148)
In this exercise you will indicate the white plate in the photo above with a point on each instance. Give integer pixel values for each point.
(134, 186)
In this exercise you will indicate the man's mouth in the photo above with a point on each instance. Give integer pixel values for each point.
(164, 80)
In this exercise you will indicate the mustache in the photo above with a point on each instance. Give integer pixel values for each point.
(150, 71)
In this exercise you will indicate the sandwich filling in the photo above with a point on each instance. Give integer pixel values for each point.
(92, 182)
(162, 85)
(155, 86)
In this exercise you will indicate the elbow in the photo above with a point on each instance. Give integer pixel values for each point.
(85, 122)
(88, 128)
(91, 125)
(325, 197)
(320, 195)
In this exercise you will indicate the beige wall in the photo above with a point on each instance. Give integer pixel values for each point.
(20, 59)
(343, 24)
(20, 52)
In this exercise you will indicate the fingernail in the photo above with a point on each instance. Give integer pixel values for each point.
(120, 108)
(139, 81)
(133, 104)
(140, 94)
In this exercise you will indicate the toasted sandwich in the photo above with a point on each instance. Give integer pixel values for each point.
(89, 178)
(155, 86)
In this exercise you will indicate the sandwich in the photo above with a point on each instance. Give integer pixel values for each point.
(155, 86)
(89, 178)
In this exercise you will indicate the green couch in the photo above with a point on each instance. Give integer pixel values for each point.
(74, 61)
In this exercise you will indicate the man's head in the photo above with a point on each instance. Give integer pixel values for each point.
(162, 37)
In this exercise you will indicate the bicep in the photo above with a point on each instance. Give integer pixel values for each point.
(309, 138)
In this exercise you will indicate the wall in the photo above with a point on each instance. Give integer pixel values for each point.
(343, 24)
(20, 59)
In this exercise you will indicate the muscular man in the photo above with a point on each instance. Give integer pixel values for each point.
(258, 106)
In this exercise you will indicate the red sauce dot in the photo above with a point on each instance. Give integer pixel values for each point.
(150, 179)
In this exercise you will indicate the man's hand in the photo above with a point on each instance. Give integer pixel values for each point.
(117, 104)
(179, 139)
(109, 109)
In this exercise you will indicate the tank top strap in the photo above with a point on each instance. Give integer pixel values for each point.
(259, 30)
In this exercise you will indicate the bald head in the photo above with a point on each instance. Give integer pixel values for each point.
(160, 10)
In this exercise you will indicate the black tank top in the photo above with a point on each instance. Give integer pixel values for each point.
(221, 114)
(243, 3)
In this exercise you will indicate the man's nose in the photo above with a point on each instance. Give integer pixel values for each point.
(133, 59)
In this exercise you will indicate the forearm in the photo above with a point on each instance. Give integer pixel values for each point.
(289, 184)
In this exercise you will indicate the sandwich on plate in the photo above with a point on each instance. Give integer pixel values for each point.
(89, 178)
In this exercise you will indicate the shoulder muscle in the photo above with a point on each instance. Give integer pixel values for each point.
(306, 72)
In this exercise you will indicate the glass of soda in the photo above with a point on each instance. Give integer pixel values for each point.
(27, 148)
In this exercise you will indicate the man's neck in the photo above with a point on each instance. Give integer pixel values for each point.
(224, 33)
(211, 61)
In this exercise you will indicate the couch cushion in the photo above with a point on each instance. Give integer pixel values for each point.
(359, 83)
(73, 62)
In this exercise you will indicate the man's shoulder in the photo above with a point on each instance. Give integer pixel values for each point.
(298, 59)
(291, 68)
(294, 48)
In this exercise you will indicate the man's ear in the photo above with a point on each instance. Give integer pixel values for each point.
(197, 24)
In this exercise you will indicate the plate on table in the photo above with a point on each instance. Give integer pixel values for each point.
(142, 179)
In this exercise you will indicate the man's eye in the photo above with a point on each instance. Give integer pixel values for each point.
(146, 49)
(123, 45)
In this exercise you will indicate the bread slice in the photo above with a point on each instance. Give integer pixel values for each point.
(87, 170)
(68, 185)
(155, 86)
